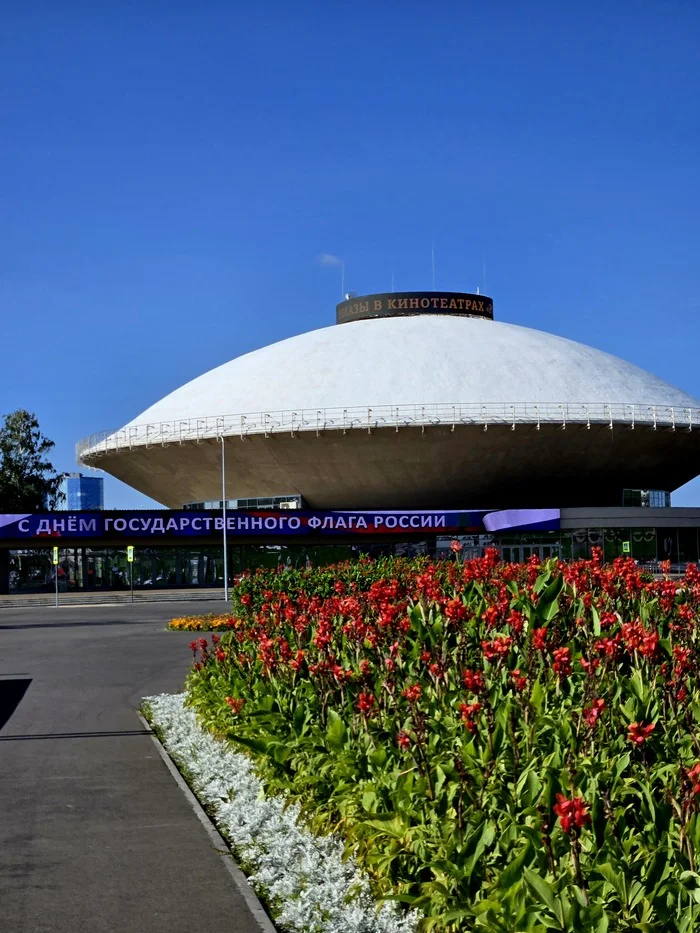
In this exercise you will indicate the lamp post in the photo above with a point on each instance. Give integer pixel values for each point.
(223, 505)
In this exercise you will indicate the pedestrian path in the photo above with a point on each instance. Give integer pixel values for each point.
(95, 835)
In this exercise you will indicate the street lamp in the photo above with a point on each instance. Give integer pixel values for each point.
(223, 505)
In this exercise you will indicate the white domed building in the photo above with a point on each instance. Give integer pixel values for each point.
(412, 400)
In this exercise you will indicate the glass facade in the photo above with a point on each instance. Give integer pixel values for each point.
(169, 567)
(84, 493)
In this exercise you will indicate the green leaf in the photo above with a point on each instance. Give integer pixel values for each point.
(622, 764)
(260, 745)
(637, 684)
(336, 733)
(514, 869)
(537, 696)
(542, 889)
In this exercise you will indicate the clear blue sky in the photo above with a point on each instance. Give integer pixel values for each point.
(170, 172)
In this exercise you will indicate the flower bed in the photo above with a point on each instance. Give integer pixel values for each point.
(210, 622)
(304, 879)
(501, 747)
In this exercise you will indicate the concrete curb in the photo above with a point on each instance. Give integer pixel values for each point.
(257, 910)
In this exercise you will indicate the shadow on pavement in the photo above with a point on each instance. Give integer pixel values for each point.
(18, 625)
(11, 693)
(73, 735)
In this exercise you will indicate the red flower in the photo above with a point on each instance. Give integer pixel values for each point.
(539, 638)
(403, 740)
(220, 655)
(456, 546)
(693, 774)
(590, 667)
(490, 616)
(194, 647)
(592, 714)
(235, 704)
(518, 680)
(573, 814)
(412, 694)
(498, 648)
(455, 609)
(365, 703)
(638, 733)
(562, 661)
(468, 711)
(515, 620)
(474, 681)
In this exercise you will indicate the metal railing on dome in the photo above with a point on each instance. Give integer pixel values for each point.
(290, 421)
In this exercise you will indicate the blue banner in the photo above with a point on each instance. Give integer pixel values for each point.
(164, 524)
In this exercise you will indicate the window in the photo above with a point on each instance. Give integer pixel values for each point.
(646, 498)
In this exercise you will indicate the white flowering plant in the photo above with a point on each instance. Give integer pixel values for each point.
(308, 884)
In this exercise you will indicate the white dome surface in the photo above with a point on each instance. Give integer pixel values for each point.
(421, 359)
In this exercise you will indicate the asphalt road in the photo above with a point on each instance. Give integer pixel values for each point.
(95, 834)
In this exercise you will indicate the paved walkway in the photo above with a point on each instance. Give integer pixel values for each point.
(95, 835)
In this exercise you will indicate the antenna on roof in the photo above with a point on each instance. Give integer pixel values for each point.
(432, 256)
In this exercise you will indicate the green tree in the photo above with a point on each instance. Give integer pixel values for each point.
(28, 481)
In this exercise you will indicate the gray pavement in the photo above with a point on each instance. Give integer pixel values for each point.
(95, 835)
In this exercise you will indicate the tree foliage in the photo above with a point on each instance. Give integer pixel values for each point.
(28, 481)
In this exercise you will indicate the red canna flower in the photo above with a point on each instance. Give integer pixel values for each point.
(413, 693)
(573, 814)
(590, 667)
(498, 648)
(235, 704)
(468, 711)
(474, 681)
(693, 775)
(518, 680)
(593, 713)
(194, 647)
(456, 546)
(539, 638)
(403, 739)
(638, 733)
(562, 661)
(490, 616)
(365, 703)
(455, 609)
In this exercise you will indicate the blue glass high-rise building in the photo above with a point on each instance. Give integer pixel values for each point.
(82, 492)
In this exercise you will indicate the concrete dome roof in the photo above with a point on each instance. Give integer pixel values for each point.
(418, 360)
(428, 410)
